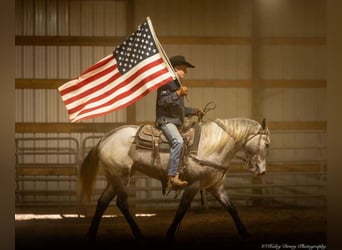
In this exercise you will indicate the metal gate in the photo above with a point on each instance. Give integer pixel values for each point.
(47, 170)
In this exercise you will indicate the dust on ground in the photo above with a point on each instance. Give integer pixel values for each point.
(269, 227)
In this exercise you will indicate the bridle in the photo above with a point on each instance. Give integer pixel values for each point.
(250, 160)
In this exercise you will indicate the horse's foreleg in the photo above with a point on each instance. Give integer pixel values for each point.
(221, 195)
(102, 204)
(122, 203)
(188, 195)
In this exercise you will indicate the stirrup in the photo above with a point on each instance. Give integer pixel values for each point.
(176, 183)
(177, 192)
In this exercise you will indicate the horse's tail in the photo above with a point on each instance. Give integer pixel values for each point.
(88, 172)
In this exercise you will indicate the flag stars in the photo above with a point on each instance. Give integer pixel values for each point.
(135, 49)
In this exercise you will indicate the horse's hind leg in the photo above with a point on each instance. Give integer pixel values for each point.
(122, 204)
(114, 188)
(221, 195)
(102, 204)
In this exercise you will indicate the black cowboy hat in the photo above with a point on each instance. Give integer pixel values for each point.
(180, 60)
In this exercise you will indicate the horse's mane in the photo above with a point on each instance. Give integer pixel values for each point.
(238, 130)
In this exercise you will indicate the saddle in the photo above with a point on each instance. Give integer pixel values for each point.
(149, 137)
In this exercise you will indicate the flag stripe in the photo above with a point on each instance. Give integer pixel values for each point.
(120, 83)
(123, 102)
(81, 82)
(128, 92)
(101, 84)
(116, 87)
(106, 94)
(99, 64)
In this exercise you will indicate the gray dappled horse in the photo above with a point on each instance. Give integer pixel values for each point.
(219, 142)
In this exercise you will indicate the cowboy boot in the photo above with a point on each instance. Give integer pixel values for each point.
(176, 183)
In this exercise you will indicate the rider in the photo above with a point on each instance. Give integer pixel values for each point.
(170, 114)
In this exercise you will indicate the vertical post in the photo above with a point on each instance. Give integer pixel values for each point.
(256, 88)
(131, 109)
(130, 26)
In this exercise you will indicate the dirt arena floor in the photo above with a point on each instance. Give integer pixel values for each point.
(270, 228)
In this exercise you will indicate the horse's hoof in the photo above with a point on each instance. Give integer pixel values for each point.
(91, 242)
(141, 241)
(139, 238)
(91, 239)
(170, 238)
(245, 235)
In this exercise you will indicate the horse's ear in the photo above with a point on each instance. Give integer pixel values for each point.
(263, 124)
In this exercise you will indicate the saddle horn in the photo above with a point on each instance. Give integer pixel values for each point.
(263, 124)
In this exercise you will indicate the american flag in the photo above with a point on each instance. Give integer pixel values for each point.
(136, 67)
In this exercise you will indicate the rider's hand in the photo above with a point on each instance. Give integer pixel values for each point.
(182, 91)
(199, 112)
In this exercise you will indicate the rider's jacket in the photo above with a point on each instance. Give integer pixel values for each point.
(169, 106)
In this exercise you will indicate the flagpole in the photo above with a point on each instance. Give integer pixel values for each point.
(163, 54)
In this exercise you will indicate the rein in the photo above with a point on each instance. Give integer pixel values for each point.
(209, 163)
(225, 168)
(260, 132)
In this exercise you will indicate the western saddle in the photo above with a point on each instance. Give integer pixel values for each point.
(148, 137)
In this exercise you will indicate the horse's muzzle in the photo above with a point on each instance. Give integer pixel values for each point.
(261, 173)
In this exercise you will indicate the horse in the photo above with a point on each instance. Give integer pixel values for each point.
(220, 141)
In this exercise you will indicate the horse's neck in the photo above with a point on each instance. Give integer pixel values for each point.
(229, 152)
(225, 155)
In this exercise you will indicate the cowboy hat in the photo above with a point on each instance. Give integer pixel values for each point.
(180, 60)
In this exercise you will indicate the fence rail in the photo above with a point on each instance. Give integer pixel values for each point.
(47, 171)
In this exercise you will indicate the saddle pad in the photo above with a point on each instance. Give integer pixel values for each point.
(147, 134)
(143, 139)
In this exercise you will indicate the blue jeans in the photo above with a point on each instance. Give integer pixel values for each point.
(176, 144)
